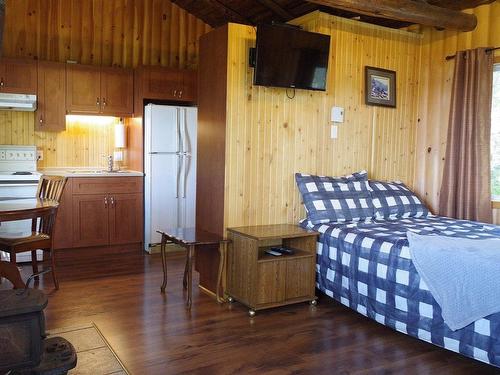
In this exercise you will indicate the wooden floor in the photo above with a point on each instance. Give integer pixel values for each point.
(154, 334)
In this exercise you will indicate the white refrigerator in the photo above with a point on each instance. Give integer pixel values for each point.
(170, 169)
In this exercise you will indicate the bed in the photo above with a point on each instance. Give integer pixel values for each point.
(366, 265)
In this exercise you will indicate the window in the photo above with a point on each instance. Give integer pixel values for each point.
(495, 135)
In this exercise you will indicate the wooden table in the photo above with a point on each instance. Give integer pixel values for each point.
(20, 208)
(190, 238)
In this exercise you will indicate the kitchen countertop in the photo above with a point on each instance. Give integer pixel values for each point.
(88, 172)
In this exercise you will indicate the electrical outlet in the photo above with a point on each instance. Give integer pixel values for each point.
(334, 132)
(39, 155)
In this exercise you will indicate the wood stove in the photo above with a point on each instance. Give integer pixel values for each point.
(24, 348)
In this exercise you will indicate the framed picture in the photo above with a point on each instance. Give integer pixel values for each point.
(380, 87)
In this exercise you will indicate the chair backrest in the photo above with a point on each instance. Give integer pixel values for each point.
(42, 219)
(46, 222)
(51, 187)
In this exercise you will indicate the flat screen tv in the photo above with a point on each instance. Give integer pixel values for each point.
(289, 57)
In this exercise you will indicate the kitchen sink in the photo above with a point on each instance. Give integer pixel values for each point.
(97, 171)
(87, 172)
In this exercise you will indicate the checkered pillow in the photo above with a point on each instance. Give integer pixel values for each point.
(335, 199)
(393, 200)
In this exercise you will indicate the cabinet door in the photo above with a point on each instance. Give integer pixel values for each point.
(125, 218)
(18, 76)
(300, 275)
(161, 83)
(117, 91)
(83, 89)
(90, 220)
(189, 91)
(63, 228)
(51, 97)
(271, 282)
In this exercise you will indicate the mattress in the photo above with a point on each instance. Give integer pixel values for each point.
(367, 267)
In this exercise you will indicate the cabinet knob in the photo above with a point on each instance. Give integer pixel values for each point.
(97, 102)
(41, 120)
(180, 94)
(112, 201)
(104, 102)
(105, 201)
(2, 84)
(175, 92)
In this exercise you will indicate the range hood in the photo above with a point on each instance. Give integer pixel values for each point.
(17, 102)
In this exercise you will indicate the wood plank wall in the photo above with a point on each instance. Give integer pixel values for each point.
(124, 33)
(435, 95)
(85, 142)
(270, 137)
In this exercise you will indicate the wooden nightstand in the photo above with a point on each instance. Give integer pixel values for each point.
(262, 281)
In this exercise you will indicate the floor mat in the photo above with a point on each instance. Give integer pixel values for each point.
(95, 355)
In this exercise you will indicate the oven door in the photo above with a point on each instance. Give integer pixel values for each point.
(18, 189)
(20, 228)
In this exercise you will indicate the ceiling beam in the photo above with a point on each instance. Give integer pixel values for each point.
(278, 9)
(231, 13)
(408, 11)
(459, 4)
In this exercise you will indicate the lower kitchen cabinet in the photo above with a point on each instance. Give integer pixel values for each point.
(90, 220)
(100, 211)
(125, 218)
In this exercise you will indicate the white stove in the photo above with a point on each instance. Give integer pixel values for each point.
(18, 179)
(17, 169)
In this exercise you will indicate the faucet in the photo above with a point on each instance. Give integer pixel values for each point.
(110, 163)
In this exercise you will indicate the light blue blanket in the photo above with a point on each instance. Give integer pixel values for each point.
(463, 275)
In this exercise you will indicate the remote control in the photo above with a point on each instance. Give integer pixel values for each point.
(282, 250)
(274, 253)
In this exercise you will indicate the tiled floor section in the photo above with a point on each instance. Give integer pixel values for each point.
(94, 355)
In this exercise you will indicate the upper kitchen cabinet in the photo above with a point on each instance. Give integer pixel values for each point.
(159, 83)
(97, 90)
(117, 91)
(190, 85)
(18, 76)
(51, 97)
(83, 89)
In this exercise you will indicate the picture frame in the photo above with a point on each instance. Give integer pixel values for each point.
(380, 87)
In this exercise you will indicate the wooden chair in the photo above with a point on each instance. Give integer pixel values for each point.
(41, 238)
(51, 187)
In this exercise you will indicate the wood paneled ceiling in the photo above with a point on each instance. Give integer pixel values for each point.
(254, 12)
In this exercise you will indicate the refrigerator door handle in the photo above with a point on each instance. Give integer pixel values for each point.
(179, 167)
(187, 164)
(186, 147)
(178, 124)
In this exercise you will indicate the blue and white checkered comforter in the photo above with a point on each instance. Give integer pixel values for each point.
(367, 266)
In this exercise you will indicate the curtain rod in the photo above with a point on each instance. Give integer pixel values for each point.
(451, 57)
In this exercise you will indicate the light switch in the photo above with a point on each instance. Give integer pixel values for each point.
(334, 132)
(337, 114)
